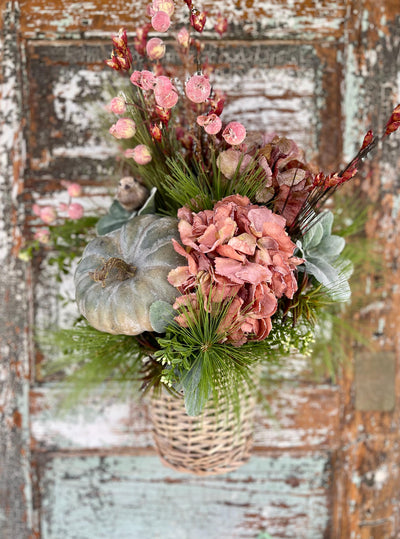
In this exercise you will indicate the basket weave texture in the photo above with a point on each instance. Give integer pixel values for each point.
(216, 442)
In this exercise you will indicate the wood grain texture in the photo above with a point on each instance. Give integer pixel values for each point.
(301, 19)
(300, 417)
(288, 89)
(322, 469)
(367, 498)
(16, 519)
(136, 497)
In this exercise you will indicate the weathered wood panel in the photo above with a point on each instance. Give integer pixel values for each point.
(299, 417)
(328, 67)
(283, 90)
(300, 19)
(16, 518)
(135, 497)
(367, 480)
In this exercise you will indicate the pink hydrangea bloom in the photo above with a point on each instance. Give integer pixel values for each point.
(124, 128)
(212, 123)
(238, 252)
(183, 37)
(141, 154)
(160, 21)
(155, 48)
(75, 210)
(198, 88)
(117, 105)
(48, 214)
(234, 133)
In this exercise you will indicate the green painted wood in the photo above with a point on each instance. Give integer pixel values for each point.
(137, 498)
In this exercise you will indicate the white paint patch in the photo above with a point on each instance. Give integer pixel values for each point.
(381, 476)
(92, 424)
(92, 150)
(73, 97)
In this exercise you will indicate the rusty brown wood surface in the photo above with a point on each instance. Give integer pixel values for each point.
(367, 484)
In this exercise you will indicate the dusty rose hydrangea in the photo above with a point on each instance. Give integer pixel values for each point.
(237, 250)
(285, 177)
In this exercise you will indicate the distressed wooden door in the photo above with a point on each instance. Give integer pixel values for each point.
(326, 461)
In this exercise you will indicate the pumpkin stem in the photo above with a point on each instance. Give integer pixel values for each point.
(113, 269)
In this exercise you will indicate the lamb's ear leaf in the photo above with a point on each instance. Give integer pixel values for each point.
(333, 279)
(161, 315)
(329, 248)
(115, 218)
(150, 205)
(195, 397)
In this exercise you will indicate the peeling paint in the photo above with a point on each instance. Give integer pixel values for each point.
(116, 496)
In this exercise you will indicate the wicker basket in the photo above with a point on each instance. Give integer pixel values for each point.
(216, 442)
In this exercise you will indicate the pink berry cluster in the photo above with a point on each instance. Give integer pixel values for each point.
(49, 214)
(162, 92)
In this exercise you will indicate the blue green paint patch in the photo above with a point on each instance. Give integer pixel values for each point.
(127, 497)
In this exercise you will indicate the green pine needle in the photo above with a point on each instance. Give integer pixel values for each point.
(87, 358)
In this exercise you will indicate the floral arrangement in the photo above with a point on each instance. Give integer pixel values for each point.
(218, 250)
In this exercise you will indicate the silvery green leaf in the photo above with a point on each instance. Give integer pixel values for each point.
(345, 268)
(330, 277)
(324, 272)
(319, 230)
(195, 400)
(326, 220)
(299, 249)
(149, 206)
(329, 248)
(161, 315)
(313, 236)
(114, 219)
(341, 292)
